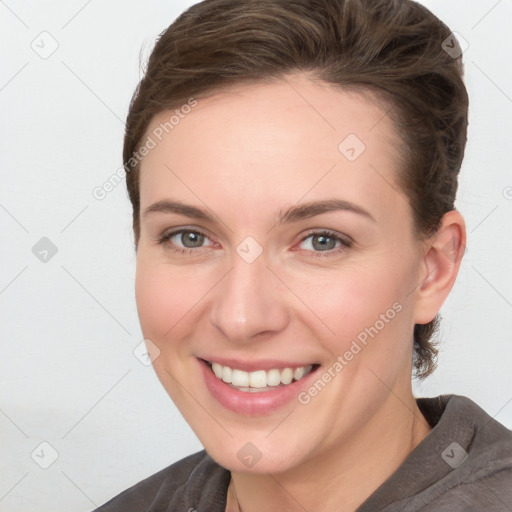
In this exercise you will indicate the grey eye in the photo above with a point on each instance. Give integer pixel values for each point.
(191, 239)
(320, 242)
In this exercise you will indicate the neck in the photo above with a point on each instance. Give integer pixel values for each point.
(346, 474)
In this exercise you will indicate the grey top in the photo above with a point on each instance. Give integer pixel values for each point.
(464, 464)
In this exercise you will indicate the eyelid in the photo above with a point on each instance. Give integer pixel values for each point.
(328, 232)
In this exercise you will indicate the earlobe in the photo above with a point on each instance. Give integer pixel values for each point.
(440, 266)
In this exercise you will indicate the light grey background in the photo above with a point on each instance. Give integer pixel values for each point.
(69, 326)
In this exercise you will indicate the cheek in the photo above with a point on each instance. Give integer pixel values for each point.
(165, 303)
(151, 301)
(359, 305)
(171, 300)
(163, 298)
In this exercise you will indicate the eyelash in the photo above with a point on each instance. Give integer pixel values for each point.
(346, 242)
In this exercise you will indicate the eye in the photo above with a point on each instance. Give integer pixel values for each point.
(185, 240)
(325, 241)
(189, 241)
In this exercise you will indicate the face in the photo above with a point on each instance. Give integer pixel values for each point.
(274, 241)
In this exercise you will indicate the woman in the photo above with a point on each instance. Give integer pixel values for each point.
(292, 168)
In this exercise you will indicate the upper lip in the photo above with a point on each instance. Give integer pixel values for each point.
(254, 365)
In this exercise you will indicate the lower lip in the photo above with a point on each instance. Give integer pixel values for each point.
(252, 404)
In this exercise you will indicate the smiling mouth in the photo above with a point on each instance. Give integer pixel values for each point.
(259, 380)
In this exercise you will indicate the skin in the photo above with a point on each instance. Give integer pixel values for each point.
(246, 155)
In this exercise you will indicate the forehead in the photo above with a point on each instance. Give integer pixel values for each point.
(276, 142)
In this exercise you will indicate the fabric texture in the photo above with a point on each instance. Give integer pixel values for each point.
(463, 465)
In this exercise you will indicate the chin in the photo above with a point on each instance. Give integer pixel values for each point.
(255, 458)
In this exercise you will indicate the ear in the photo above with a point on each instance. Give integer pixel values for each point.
(440, 266)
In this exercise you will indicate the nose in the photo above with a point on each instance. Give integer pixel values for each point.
(249, 302)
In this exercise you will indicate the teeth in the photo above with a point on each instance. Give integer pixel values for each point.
(217, 369)
(298, 373)
(257, 380)
(287, 376)
(273, 378)
(227, 373)
(240, 378)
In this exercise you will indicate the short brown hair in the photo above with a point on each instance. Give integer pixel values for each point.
(395, 48)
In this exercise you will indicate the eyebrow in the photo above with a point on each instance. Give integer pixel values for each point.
(292, 214)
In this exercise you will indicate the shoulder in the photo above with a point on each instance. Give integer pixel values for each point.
(181, 485)
(476, 452)
(463, 465)
(457, 417)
